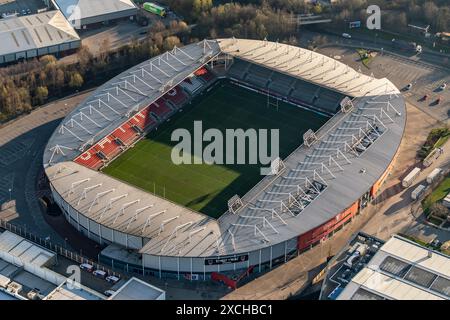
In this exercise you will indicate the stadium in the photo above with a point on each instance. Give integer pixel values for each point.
(108, 169)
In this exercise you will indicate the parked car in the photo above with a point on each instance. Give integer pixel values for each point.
(99, 274)
(109, 293)
(346, 35)
(112, 279)
(425, 97)
(443, 86)
(438, 100)
(408, 86)
(87, 267)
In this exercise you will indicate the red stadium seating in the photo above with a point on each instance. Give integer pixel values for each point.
(204, 74)
(108, 147)
(142, 119)
(125, 133)
(90, 159)
(176, 96)
(160, 108)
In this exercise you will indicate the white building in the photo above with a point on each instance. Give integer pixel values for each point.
(36, 35)
(82, 13)
(401, 270)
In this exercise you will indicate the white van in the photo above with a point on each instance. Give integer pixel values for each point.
(87, 267)
(346, 35)
(99, 274)
(112, 279)
(109, 293)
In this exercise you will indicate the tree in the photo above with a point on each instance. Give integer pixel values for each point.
(84, 59)
(170, 42)
(41, 94)
(76, 80)
(439, 210)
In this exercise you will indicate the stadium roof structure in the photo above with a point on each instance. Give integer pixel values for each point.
(92, 8)
(328, 176)
(402, 270)
(35, 31)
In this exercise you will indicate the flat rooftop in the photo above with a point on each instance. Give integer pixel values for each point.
(35, 31)
(401, 270)
(136, 289)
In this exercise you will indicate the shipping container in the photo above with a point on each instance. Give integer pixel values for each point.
(409, 179)
(434, 175)
(417, 192)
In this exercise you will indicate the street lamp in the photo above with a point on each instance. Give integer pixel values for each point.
(10, 197)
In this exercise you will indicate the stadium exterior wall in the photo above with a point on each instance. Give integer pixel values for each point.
(181, 266)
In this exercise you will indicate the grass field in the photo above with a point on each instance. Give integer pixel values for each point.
(202, 187)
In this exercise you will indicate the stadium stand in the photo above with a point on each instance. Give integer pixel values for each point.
(258, 76)
(108, 147)
(177, 97)
(90, 159)
(328, 100)
(204, 75)
(239, 69)
(304, 91)
(192, 85)
(125, 134)
(160, 108)
(142, 120)
(281, 84)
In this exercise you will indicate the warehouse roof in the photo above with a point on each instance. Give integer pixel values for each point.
(402, 270)
(35, 31)
(92, 8)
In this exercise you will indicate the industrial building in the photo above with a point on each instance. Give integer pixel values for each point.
(26, 274)
(36, 35)
(83, 14)
(400, 269)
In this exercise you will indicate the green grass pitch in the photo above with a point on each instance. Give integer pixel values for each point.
(202, 187)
